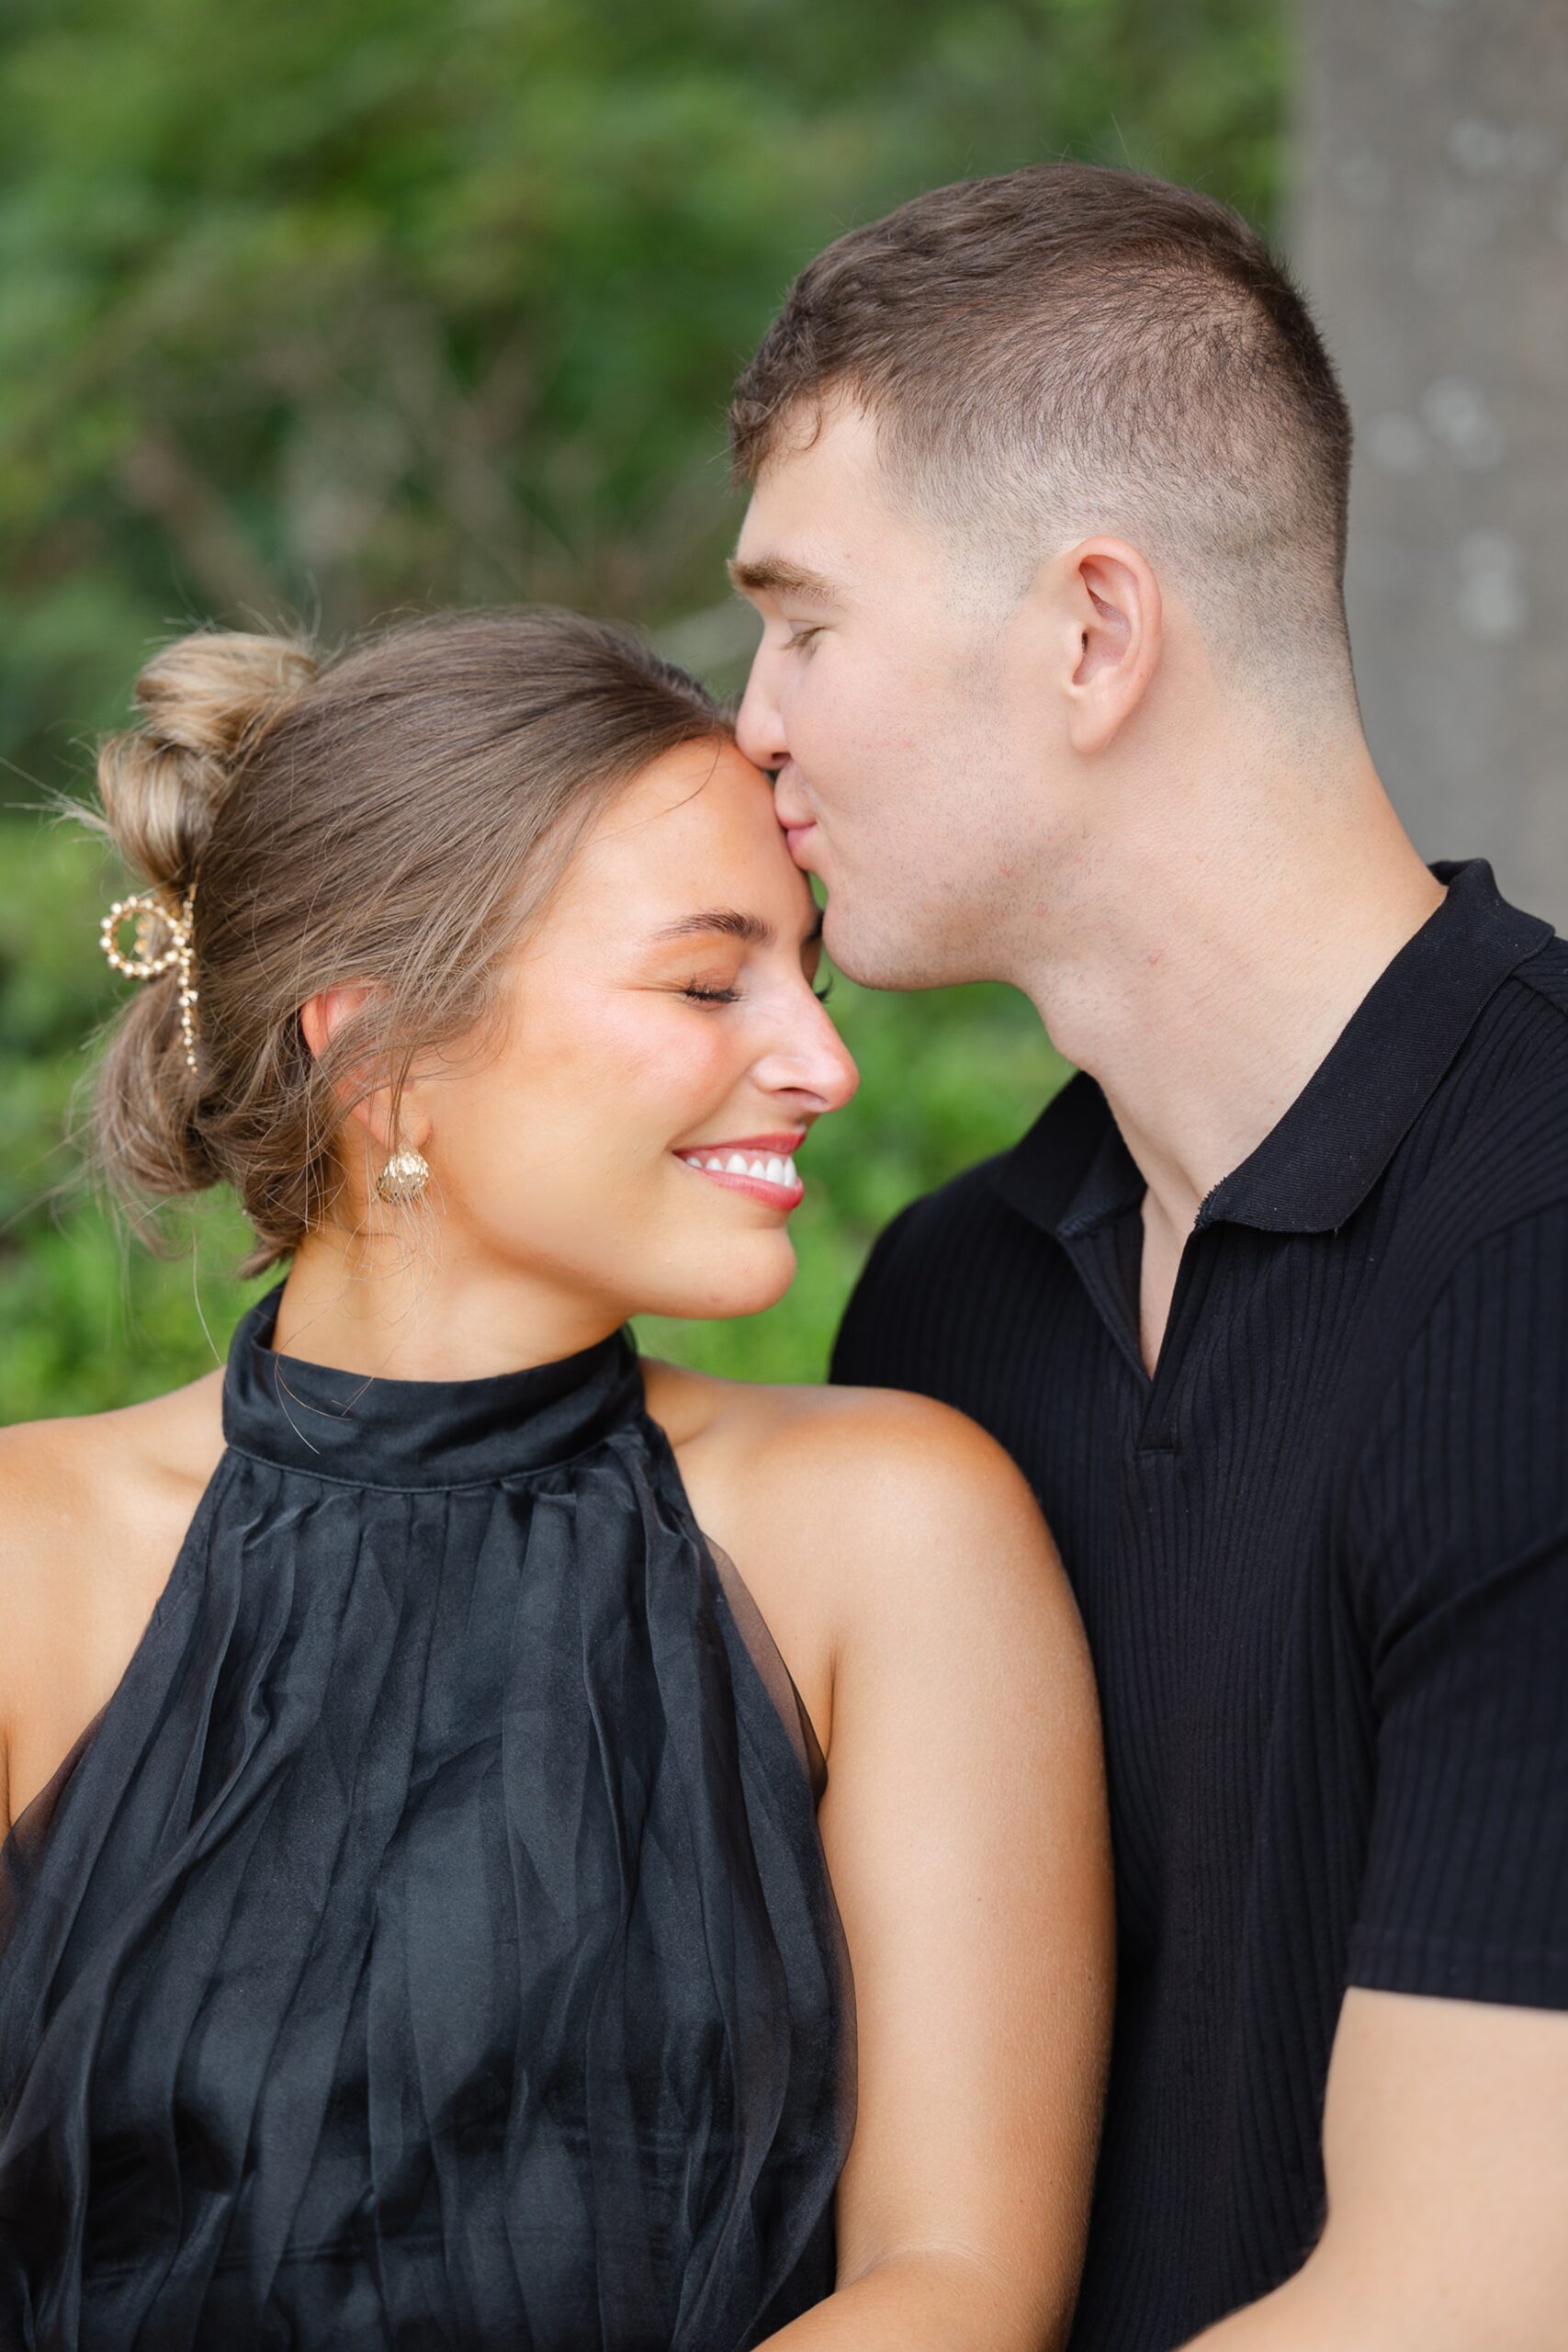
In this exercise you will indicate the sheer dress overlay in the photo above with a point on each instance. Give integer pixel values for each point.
(430, 1944)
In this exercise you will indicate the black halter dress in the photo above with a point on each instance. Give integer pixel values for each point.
(430, 1944)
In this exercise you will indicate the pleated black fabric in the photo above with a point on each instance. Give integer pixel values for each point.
(1322, 1557)
(430, 1945)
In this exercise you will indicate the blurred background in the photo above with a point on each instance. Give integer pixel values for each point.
(347, 307)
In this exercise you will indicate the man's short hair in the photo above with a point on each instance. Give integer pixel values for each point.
(1070, 348)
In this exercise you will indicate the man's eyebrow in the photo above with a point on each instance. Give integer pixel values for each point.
(772, 575)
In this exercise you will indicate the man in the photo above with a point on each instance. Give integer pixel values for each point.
(1049, 479)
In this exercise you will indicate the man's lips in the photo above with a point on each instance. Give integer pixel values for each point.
(800, 842)
(790, 814)
(793, 818)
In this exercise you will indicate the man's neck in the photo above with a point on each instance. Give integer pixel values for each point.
(1206, 996)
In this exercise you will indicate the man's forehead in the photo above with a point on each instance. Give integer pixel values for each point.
(813, 502)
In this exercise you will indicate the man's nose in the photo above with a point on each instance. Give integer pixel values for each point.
(759, 728)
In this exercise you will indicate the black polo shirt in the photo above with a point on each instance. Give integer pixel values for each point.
(1322, 1557)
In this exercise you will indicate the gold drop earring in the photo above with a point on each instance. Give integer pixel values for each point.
(404, 1177)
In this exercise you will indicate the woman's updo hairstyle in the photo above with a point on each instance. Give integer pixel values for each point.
(396, 814)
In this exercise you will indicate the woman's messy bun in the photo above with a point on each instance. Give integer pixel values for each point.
(203, 700)
(390, 816)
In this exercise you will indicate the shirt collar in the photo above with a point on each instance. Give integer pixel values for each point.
(1072, 1170)
(1317, 1164)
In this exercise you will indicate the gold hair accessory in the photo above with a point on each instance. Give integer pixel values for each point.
(163, 944)
(404, 1177)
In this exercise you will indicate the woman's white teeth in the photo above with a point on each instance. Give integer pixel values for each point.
(772, 1171)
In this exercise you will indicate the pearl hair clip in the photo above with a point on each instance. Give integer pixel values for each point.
(163, 945)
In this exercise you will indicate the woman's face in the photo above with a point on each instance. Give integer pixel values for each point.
(662, 1060)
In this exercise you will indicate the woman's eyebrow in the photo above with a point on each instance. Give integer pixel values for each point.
(729, 923)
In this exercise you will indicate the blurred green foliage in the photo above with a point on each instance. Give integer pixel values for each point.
(337, 308)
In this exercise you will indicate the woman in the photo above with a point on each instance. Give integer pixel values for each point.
(440, 1929)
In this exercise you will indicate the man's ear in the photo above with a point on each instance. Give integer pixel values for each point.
(320, 1018)
(1112, 621)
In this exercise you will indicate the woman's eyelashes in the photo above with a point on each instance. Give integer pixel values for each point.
(699, 992)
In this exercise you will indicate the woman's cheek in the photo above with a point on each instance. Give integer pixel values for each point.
(601, 1088)
(676, 1069)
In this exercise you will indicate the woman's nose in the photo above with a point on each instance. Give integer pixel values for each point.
(812, 1061)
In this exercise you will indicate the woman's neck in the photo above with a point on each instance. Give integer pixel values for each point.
(424, 1314)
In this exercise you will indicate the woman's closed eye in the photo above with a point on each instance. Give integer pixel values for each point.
(701, 994)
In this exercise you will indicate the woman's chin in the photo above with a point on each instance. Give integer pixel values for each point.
(756, 1281)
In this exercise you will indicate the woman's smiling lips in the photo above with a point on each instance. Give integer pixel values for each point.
(760, 1165)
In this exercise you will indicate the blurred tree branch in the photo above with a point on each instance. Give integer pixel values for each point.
(160, 480)
(354, 305)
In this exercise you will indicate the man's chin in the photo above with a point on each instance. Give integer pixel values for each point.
(874, 960)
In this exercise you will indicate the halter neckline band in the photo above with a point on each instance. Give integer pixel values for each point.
(375, 1431)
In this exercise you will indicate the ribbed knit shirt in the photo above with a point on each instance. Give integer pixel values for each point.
(1322, 1556)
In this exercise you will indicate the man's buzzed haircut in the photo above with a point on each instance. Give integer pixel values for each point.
(1069, 349)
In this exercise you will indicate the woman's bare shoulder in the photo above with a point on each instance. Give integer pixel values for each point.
(93, 1510)
(61, 1474)
(852, 1432)
(858, 1473)
(892, 1544)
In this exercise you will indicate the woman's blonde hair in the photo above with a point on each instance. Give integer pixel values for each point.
(396, 814)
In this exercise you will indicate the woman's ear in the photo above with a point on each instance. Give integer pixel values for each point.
(323, 1014)
(1114, 608)
(320, 1018)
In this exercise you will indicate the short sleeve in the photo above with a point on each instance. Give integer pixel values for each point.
(1458, 1534)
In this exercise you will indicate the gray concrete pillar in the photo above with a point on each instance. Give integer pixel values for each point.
(1430, 229)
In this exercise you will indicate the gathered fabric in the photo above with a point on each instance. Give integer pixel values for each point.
(430, 1944)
